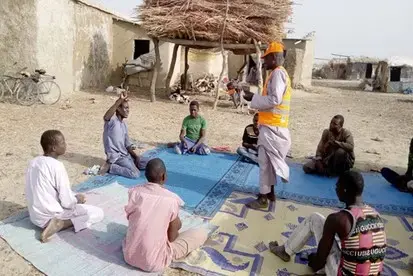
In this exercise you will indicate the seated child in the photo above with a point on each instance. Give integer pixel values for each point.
(52, 204)
(249, 149)
(193, 133)
(234, 93)
(153, 240)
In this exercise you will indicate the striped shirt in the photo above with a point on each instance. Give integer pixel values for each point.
(364, 249)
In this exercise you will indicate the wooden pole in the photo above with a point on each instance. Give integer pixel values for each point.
(259, 66)
(208, 44)
(224, 58)
(246, 68)
(241, 70)
(156, 69)
(171, 70)
(224, 65)
(185, 78)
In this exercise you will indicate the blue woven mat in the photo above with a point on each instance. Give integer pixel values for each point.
(94, 251)
(204, 182)
(201, 181)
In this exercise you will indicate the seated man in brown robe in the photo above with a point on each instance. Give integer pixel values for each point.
(335, 151)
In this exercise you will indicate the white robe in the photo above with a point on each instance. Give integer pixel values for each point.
(273, 142)
(48, 195)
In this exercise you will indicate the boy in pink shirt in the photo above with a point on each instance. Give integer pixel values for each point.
(153, 240)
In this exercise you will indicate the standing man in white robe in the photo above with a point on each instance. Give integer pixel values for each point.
(274, 140)
(52, 204)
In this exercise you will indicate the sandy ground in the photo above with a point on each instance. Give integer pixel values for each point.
(368, 116)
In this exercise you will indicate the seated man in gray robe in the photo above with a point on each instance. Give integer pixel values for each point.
(335, 151)
(121, 158)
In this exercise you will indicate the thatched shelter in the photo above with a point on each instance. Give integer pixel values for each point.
(242, 26)
(262, 20)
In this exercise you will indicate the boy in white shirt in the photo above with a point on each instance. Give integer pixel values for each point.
(52, 204)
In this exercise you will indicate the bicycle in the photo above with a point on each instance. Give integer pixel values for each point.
(23, 88)
(49, 91)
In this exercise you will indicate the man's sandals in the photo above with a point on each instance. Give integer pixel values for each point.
(260, 203)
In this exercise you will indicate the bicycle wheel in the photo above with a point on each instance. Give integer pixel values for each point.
(27, 92)
(49, 92)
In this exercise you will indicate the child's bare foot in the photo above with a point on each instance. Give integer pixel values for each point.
(104, 169)
(279, 251)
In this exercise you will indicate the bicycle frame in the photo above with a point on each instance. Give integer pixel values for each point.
(11, 90)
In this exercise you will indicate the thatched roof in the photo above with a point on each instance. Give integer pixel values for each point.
(262, 20)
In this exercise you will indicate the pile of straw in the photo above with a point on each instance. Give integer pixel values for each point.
(262, 20)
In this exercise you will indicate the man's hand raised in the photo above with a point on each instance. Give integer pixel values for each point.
(123, 97)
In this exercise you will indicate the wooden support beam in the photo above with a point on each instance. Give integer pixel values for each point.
(185, 77)
(224, 58)
(155, 69)
(209, 44)
(221, 75)
(171, 70)
(259, 66)
(242, 69)
(246, 68)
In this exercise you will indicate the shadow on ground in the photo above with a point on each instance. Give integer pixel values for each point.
(83, 159)
(9, 208)
(405, 100)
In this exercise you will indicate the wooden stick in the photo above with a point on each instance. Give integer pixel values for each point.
(243, 67)
(186, 69)
(156, 69)
(209, 44)
(247, 67)
(259, 66)
(171, 70)
(224, 59)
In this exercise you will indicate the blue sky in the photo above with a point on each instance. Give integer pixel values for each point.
(379, 28)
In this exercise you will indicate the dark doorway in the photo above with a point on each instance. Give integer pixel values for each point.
(395, 73)
(141, 48)
(369, 71)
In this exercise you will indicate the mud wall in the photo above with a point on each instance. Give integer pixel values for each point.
(93, 44)
(18, 34)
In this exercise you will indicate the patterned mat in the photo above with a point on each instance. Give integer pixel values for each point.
(320, 191)
(241, 245)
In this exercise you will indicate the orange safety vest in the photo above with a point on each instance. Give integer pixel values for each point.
(277, 116)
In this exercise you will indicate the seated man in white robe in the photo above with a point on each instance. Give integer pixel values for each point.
(52, 204)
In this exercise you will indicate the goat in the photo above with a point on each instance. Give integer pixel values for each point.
(243, 102)
(177, 97)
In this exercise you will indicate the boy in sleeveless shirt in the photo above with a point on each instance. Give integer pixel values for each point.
(350, 242)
